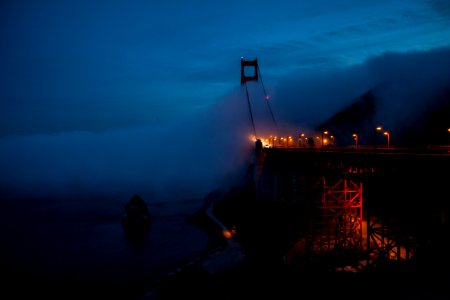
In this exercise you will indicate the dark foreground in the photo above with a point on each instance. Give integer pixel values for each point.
(286, 282)
(248, 266)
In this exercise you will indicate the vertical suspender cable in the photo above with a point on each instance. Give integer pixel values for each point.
(250, 110)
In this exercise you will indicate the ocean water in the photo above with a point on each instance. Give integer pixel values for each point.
(58, 248)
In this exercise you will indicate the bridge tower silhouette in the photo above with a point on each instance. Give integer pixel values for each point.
(255, 75)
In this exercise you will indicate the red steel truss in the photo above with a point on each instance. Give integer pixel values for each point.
(338, 223)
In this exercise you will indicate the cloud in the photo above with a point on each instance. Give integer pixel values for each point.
(410, 80)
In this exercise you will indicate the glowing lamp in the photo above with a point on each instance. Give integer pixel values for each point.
(228, 234)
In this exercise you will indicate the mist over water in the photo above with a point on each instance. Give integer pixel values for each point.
(175, 161)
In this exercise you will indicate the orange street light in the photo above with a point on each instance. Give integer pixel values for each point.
(300, 139)
(378, 128)
(228, 234)
(355, 137)
(323, 132)
(388, 135)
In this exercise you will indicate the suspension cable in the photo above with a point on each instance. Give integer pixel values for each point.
(250, 110)
(266, 98)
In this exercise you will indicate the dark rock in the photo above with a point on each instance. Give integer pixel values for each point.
(137, 218)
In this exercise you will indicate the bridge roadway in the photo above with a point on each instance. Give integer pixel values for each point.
(444, 149)
(345, 160)
(403, 172)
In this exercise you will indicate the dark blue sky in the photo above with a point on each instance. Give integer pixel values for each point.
(124, 97)
(102, 65)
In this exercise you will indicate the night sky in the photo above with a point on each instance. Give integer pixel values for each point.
(140, 96)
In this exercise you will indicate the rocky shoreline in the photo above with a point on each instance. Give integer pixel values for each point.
(221, 256)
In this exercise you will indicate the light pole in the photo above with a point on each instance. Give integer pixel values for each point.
(388, 135)
(355, 137)
(378, 128)
(288, 141)
(448, 130)
(300, 139)
(323, 132)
